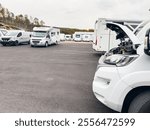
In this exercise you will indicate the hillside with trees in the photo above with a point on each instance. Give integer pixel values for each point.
(9, 20)
(18, 21)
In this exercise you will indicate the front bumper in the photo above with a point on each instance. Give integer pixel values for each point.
(108, 87)
(8, 42)
(39, 43)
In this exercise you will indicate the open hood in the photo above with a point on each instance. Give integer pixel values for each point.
(123, 32)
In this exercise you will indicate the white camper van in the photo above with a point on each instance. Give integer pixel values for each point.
(104, 38)
(45, 36)
(122, 79)
(15, 37)
(83, 36)
(77, 36)
(87, 37)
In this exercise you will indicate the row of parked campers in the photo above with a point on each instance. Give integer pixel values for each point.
(78, 37)
(41, 36)
(122, 78)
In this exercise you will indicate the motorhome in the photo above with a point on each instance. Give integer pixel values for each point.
(122, 78)
(15, 37)
(87, 37)
(77, 36)
(83, 36)
(62, 37)
(68, 37)
(45, 36)
(104, 38)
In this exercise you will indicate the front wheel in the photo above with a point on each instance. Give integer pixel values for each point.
(141, 103)
(16, 43)
(46, 44)
(4, 44)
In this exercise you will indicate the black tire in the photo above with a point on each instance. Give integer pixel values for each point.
(32, 45)
(16, 43)
(141, 103)
(56, 43)
(29, 42)
(46, 44)
(3, 44)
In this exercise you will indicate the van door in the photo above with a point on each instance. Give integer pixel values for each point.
(53, 37)
(19, 37)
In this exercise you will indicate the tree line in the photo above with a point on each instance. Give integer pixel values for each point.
(19, 21)
(26, 22)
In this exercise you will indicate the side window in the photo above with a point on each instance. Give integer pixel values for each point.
(19, 35)
(52, 34)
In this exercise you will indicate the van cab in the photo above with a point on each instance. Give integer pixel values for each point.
(122, 78)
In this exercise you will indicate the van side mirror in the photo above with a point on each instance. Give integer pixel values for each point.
(147, 43)
(48, 36)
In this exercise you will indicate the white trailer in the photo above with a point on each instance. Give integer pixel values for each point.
(104, 38)
(45, 36)
(88, 37)
(83, 36)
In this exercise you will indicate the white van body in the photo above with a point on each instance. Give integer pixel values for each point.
(88, 37)
(83, 36)
(104, 38)
(45, 36)
(62, 37)
(68, 37)
(77, 36)
(122, 78)
(15, 37)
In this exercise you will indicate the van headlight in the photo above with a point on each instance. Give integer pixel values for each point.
(120, 60)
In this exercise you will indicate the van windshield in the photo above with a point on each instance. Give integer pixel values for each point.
(11, 33)
(39, 34)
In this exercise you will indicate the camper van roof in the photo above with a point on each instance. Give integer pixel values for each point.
(42, 28)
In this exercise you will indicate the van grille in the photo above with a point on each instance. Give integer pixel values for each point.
(5, 39)
(35, 41)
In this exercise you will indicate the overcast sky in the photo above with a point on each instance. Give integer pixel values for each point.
(79, 13)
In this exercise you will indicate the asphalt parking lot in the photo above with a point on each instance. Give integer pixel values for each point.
(56, 79)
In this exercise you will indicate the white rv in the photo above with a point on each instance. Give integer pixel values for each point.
(122, 78)
(45, 36)
(62, 37)
(87, 37)
(15, 37)
(104, 38)
(77, 36)
(68, 37)
(83, 36)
